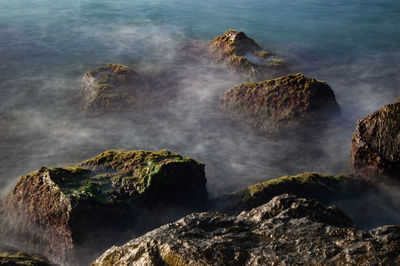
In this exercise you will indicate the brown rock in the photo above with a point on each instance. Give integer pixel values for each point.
(112, 88)
(375, 150)
(69, 214)
(282, 105)
(243, 55)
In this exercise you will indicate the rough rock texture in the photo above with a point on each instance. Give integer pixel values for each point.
(375, 150)
(64, 212)
(282, 105)
(287, 230)
(243, 55)
(111, 88)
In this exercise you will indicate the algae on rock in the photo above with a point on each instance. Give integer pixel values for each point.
(112, 88)
(62, 212)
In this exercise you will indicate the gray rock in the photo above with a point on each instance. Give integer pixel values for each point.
(287, 230)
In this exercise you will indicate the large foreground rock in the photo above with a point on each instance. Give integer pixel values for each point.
(243, 55)
(68, 214)
(282, 105)
(375, 150)
(287, 230)
(112, 88)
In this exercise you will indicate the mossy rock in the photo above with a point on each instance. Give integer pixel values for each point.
(243, 55)
(20, 258)
(281, 105)
(309, 185)
(375, 151)
(89, 205)
(358, 198)
(112, 88)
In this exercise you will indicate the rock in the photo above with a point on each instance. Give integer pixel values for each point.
(243, 55)
(112, 88)
(282, 105)
(11, 256)
(324, 188)
(68, 214)
(20, 258)
(287, 230)
(375, 149)
(359, 199)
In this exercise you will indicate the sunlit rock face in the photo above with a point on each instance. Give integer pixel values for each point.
(286, 230)
(243, 55)
(70, 213)
(112, 88)
(284, 105)
(375, 150)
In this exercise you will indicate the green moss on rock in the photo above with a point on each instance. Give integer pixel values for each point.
(107, 195)
(20, 258)
(111, 87)
(324, 188)
(273, 106)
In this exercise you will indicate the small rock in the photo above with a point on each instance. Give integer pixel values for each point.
(111, 88)
(243, 55)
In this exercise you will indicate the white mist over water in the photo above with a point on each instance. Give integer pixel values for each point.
(47, 46)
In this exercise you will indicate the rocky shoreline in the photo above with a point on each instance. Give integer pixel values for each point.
(72, 214)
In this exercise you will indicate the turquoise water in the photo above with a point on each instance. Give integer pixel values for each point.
(47, 46)
(351, 44)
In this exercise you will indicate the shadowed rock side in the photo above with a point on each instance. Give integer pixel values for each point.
(361, 200)
(282, 105)
(111, 88)
(70, 213)
(375, 150)
(243, 55)
(287, 230)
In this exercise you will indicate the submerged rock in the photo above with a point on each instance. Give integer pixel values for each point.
(282, 105)
(375, 150)
(243, 55)
(287, 230)
(69, 213)
(112, 88)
